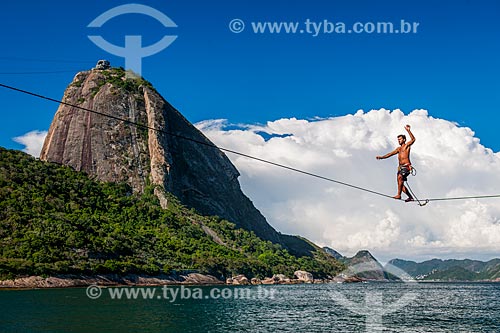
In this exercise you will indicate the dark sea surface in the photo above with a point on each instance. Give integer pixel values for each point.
(362, 307)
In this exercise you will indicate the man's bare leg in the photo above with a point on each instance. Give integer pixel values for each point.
(400, 187)
(405, 190)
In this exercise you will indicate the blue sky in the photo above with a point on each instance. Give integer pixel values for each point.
(449, 67)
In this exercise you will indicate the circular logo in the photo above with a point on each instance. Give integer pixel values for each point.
(236, 26)
(133, 52)
(93, 291)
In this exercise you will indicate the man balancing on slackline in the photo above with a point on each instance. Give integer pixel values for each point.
(404, 168)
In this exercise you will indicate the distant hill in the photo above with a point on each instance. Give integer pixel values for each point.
(55, 220)
(362, 265)
(451, 269)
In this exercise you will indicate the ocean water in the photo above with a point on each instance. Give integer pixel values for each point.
(366, 307)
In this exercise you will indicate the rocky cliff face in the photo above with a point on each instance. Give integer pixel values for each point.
(201, 177)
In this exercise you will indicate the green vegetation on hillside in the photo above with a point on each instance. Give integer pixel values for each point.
(117, 78)
(454, 273)
(54, 220)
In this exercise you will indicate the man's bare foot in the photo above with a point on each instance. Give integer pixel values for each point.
(397, 197)
(409, 199)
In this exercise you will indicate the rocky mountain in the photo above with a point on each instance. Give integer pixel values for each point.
(201, 176)
(362, 265)
(451, 269)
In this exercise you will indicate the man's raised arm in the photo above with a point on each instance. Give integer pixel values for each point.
(412, 137)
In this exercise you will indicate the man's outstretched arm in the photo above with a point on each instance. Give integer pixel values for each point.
(412, 137)
(394, 152)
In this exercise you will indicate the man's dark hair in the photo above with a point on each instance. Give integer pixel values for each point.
(402, 136)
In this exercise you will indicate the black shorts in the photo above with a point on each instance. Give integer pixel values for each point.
(404, 171)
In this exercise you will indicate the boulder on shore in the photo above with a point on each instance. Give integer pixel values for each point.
(197, 278)
(304, 276)
(240, 280)
(281, 278)
(277, 279)
(267, 281)
(255, 281)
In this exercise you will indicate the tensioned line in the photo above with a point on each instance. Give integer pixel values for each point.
(60, 61)
(209, 144)
(37, 72)
(193, 140)
(465, 198)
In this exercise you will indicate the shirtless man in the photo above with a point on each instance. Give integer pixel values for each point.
(404, 168)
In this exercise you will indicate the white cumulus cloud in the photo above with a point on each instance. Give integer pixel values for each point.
(449, 159)
(33, 142)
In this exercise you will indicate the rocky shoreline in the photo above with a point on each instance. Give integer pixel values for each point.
(68, 281)
(299, 277)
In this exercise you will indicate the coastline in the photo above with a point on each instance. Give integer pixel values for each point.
(71, 281)
(112, 280)
(195, 279)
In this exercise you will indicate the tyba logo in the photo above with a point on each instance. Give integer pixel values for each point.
(133, 51)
